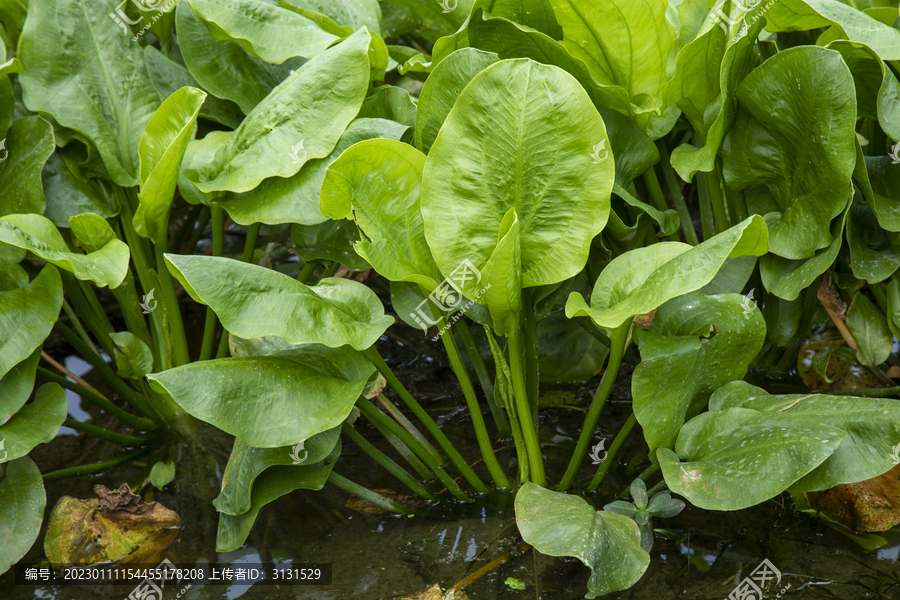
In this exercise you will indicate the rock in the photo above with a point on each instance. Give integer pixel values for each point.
(116, 526)
(867, 506)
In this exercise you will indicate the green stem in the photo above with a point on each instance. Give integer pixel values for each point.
(455, 458)
(410, 428)
(705, 203)
(368, 495)
(137, 423)
(389, 465)
(250, 242)
(173, 310)
(408, 455)
(611, 453)
(93, 467)
(76, 323)
(487, 386)
(117, 383)
(618, 337)
(656, 196)
(306, 272)
(198, 233)
(644, 476)
(330, 270)
(188, 224)
(481, 434)
(677, 196)
(662, 485)
(104, 434)
(375, 415)
(99, 327)
(529, 325)
(718, 201)
(523, 412)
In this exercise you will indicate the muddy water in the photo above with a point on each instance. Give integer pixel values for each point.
(700, 554)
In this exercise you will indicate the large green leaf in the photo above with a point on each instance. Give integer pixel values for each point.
(567, 353)
(30, 144)
(16, 386)
(502, 278)
(225, 69)
(106, 266)
(800, 106)
(641, 280)
(253, 301)
(264, 29)
(296, 199)
(443, 87)
(349, 13)
(559, 524)
(874, 253)
(162, 147)
(169, 76)
(511, 142)
(848, 23)
(377, 184)
(35, 423)
(22, 503)
(877, 89)
(83, 72)
(737, 457)
(885, 185)
(298, 121)
(27, 316)
(331, 240)
(274, 483)
(270, 401)
(246, 463)
(872, 426)
(696, 344)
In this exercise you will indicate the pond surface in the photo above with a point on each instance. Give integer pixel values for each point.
(701, 554)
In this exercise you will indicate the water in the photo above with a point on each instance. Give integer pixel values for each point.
(701, 555)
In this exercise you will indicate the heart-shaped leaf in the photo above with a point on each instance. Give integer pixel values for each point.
(29, 143)
(27, 315)
(253, 301)
(563, 525)
(35, 423)
(270, 401)
(22, 503)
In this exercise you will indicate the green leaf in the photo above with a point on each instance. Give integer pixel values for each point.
(67, 195)
(535, 157)
(392, 103)
(870, 330)
(22, 503)
(16, 386)
(786, 278)
(161, 474)
(352, 14)
(562, 525)
(567, 354)
(334, 312)
(377, 183)
(296, 199)
(35, 423)
(874, 256)
(643, 279)
(265, 30)
(885, 190)
(331, 240)
(133, 357)
(105, 95)
(298, 121)
(225, 69)
(270, 401)
(696, 345)
(274, 483)
(872, 426)
(443, 87)
(246, 463)
(106, 266)
(502, 278)
(798, 105)
(737, 458)
(162, 147)
(849, 23)
(169, 76)
(27, 316)
(30, 143)
(877, 89)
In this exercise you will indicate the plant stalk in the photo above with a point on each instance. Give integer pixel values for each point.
(611, 453)
(98, 467)
(487, 386)
(368, 495)
(104, 434)
(523, 412)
